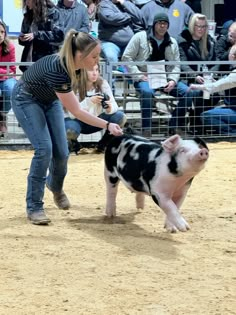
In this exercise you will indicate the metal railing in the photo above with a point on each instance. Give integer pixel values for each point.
(129, 101)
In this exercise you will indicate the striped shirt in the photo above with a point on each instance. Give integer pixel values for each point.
(45, 77)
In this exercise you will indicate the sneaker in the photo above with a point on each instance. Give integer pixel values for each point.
(60, 199)
(38, 217)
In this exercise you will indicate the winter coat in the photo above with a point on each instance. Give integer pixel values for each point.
(75, 17)
(141, 49)
(118, 23)
(47, 36)
(189, 51)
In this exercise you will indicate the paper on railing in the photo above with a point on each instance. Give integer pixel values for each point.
(156, 75)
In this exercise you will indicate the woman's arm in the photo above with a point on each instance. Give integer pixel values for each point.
(71, 103)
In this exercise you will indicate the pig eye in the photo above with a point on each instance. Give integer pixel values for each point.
(182, 150)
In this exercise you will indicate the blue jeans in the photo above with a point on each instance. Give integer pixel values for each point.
(147, 101)
(44, 126)
(80, 127)
(222, 119)
(6, 88)
(111, 52)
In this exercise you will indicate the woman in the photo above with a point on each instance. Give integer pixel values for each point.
(195, 44)
(40, 32)
(7, 81)
(92, 89)
(36, 102)
(222, 119)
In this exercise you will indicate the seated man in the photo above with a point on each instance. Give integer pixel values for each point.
(118, 21)
(156, 46)
(96, 97)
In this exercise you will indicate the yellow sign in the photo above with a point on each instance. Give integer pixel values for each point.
(176, 13)
(18, 4)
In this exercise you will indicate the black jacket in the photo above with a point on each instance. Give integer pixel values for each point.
(189, 51)
(47, 37)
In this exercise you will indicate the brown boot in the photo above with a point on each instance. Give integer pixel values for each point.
(61, 200)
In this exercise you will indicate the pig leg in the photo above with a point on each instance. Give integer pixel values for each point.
(174, 218)
(178, 200)
(111, 192)
(140, 199)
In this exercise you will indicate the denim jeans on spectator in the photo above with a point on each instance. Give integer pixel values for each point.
(81, 127)
(220, 119)
(44, 126)
(147, 102)
(111, 52)
(6, 88)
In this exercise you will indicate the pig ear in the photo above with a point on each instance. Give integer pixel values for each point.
(171, 144)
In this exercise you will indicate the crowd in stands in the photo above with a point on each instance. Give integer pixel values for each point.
(133, 31)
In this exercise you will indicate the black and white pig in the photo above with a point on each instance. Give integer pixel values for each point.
(164, 172)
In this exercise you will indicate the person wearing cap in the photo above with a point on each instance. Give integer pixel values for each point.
(178, 12)
(154, 45)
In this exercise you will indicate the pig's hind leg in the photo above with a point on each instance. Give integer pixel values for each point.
(112, 182)
(140, 200)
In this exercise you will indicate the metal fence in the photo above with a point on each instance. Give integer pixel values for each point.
(128, 99)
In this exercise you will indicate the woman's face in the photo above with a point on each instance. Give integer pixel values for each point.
(2, 34)
(88, 62)
(200, 28)
(93, 74)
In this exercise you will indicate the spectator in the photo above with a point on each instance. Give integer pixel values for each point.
(195, 44)
(7, 80)
(73, 15)
(118, 21)
(37, 100)
(153, 46)
(222, 119)
(40, 32)
(178, 12)
(223, 45)
(91, 91)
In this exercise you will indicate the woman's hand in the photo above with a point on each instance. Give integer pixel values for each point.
(198, 87)
(114, 129)
(199, 79)
(27, 37)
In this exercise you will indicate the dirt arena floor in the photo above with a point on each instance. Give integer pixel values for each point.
(82, 265)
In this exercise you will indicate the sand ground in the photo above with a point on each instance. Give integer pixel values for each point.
(82, 265)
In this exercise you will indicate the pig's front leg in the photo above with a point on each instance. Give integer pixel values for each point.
(174, 220)
(111, 193)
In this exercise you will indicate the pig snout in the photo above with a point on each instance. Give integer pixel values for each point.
(203, 154)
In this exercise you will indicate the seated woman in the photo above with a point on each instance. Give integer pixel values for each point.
(222, 119)
(96, 97)
(7, 81)
(195, 44)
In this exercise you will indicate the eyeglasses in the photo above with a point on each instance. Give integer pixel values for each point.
(162, 23)
(201, 26)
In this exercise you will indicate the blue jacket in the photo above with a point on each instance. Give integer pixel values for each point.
(118, 23)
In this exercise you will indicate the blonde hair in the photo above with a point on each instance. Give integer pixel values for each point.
(203, 41)
(75, 41)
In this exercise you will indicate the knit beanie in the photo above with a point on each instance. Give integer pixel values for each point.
(161, 17)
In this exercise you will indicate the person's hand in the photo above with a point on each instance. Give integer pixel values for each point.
(115, 129)
(169, 87)
(199, 87)
(27, 37)
(199, 79)
(144, 78)
(96, 99)
(109, 108)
